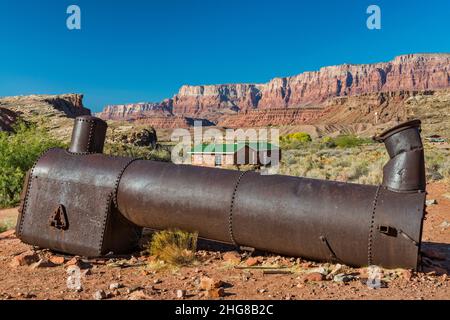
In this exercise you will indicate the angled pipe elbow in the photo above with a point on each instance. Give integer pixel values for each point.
(405, 171)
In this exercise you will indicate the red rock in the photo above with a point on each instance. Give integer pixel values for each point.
(407, 274)
(232, 257)
(313, 277)
(25, 259)
(57, 260)
(252, 261)
(215, 293)
(207, 283)
(75, 261)
(7, 234)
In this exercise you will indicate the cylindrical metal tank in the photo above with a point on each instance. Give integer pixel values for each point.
(321, 220)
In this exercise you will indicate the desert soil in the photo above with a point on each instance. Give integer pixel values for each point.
(138, 277)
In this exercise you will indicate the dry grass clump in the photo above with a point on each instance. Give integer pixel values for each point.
(174, 247)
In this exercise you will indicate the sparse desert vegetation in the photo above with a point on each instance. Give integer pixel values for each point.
(174, 247)
(353, 159)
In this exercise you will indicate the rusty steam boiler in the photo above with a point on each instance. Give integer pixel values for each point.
(80, 201)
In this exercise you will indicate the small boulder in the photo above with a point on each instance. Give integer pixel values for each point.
(181, 294)
(99, 295)
(25, 259)
(207, 283)
(252, 261)
(57, 260)
(313, 277)
(215, 293)
(43, 263)
(232, 257)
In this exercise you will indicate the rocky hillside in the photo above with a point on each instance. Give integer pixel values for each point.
(309, 93)
(53, 112)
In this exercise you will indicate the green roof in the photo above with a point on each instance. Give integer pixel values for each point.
(212, 148)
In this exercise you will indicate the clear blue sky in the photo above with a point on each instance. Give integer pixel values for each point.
(136, 50)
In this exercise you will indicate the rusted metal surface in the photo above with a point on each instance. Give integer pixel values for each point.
(82, 188)
(105, 201)
(405, 171)
(88, 135)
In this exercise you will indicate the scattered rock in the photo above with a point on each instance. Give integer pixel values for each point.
(215, 293)
(99, 295)
(207, 283)
(430, 202)
(115, 286)
(407, 274)
(157, 281)
(114, 293)
(27, 295)
(313, 277)
(43, 263)
(74, 261)
(181, 294)
(232, 257)
(262, 290)
(342, 277)
(444, 225)
(134, 289)
(7, 234)
(57, 260)
(25, 259)
(252, 261)
(363, 272)
(138, 295)
(77, 261)
(337, 269)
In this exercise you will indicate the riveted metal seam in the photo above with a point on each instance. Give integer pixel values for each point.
(372, 225)
(119, 177)
(112, 197)
(233, 199)
(91, 133)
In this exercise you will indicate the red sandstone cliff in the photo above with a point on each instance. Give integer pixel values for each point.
(408, 73)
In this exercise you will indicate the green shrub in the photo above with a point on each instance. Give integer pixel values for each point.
(350, 141)
(294, 140)
(297, 137)
(329, 142)
(18, 152)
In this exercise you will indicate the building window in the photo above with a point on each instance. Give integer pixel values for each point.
(218, 160)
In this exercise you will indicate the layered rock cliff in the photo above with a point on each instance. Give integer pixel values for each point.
(137, 111)
(226, 103)
(54, 112)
